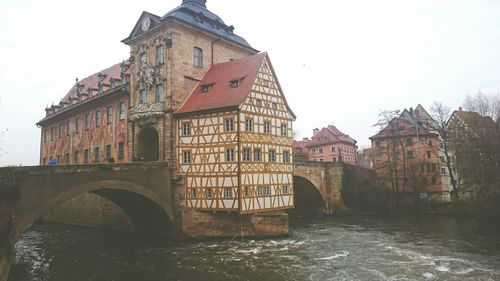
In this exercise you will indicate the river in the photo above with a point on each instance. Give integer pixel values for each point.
(327, 248)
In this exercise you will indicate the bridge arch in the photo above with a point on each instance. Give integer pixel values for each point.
(149, 213)
(308, 197)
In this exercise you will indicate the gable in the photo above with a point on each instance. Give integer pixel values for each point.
(146, 23)
(267, 89)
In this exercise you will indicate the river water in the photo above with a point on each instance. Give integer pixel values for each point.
(328, 248)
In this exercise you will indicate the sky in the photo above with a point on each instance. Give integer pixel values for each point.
(339, 62)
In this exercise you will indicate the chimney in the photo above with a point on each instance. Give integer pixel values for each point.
(315, 132)
(460, 109)
(411, 111)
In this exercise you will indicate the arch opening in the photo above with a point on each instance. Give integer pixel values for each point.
(147, 212)
(307, 198)
(148, 145)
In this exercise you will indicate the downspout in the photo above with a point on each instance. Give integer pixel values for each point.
(212, 50)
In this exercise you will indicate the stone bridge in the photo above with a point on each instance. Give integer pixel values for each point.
(151, 198)
(318, 187)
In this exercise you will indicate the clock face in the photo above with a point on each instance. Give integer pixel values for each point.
(145, 23)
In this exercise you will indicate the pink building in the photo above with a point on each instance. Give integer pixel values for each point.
(327, 145)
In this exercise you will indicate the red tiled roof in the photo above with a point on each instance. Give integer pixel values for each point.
(328, 135)
(475, 121)
(221, 94)
(92, 80)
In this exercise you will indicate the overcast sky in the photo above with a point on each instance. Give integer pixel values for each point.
(339, 62)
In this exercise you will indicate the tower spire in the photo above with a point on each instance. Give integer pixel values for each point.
(197, 2)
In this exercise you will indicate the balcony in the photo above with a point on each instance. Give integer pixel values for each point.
(146, 113)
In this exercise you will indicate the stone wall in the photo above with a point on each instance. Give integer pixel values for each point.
(6, 243)
(90, 210)
(196, 224)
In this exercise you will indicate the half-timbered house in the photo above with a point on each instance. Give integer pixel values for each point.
(235, 139)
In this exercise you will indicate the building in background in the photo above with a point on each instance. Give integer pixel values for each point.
(365, 159)
(328, 145)
(405, 158)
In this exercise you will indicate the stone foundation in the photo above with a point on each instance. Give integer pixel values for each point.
(196, 224)
(90, 210)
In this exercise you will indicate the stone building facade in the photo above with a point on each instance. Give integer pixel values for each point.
(405, 158)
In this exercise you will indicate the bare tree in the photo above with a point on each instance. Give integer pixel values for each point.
(485, 105)
(439, 125)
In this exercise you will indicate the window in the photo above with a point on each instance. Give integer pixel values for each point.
(249, 125)
(265, 83)
(267, 190)
(121, 150)
(428, 154)
(272, 155)
(257, 155)
(206, 87)
(142, 96)
(77, 124)
(333, 148)
(186, 129)
(267, 127)
(258, 102)
(260, 191)
(378, 143)
(108, 152)
(246, 155)
(409, 141)
(96, 155)
(97, 118)
(159, 93)
(209, 193)
(409, 154)
(320, 159)
(122, 110)
(193, 193)
(59, 132)
(228, 125)
(441, 158)
(159, 55)
(235, 83)
(229, 155)
(284, 129)
(285, 189)
(246, 191)
(112, 83)
(87, 121)
(286, 156)
(228, 192)
(186, 157)
(198, 57)
(109, 114)
(66, 158)
(443, 171)
(396, 156)
(275, 106)
(76, 157)
(86, 156)
(434, 179)
(320, 150)
(68, 126)
(334, 159)
(314, 150)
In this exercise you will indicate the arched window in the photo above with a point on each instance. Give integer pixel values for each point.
(198, 57)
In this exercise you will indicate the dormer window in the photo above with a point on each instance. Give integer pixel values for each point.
(235, 83)
(206, 87)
